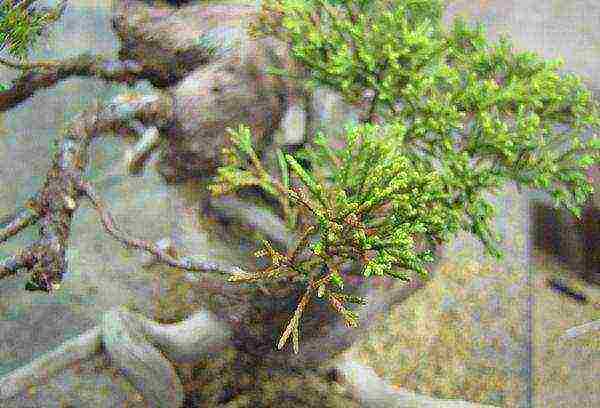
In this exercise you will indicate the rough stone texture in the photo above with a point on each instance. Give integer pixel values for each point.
(212, 99)
(92, 383)
(175, 34)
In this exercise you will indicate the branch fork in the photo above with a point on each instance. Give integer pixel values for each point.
(53, 206)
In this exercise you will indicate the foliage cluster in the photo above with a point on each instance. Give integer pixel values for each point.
(451, 116)
(22, 24)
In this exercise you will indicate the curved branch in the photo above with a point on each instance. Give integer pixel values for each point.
(577, 331)
(79, 348)
(58, 198)
(139, 347)
(65, 186)
(149, 141)
(27, 65)
(44, 74)
(251, 216)
(144, 366)
(14, 224)
(374, 392)
(160, 254)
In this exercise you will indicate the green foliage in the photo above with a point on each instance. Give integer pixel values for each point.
(234, 175)
(21, 25)
(459, 116)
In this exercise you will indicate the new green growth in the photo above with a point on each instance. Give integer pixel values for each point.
(452, 117)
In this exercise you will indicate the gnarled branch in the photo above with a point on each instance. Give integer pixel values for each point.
(65, 185)
(14, 224)
(159, 253)
(39, 75)
(138, 346)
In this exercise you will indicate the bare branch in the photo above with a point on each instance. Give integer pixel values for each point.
(44, 74)
(374, 392)
(43, 367)
(12, 225)
(149, 140)
(57, 200)
(160, 254)
(121, 335)
(28, 65)
(253, 217)
(577, 331)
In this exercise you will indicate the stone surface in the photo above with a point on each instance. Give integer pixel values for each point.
(90, 384)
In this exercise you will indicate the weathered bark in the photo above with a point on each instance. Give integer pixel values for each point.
(373, 392)
(192, 116)
(65, 185)
(46, 74)
(149, 355)
(144, 350)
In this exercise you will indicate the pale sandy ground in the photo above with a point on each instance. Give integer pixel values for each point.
(465, 351)
(566, 373)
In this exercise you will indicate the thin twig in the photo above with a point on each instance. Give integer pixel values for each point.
(28, 65)
(577, 331)
(54, 204)
(160, 254)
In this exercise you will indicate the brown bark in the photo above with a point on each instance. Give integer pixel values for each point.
(53, 206)
(41, 75)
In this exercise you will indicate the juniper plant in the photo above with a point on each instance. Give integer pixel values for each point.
(451, 117)
(22, 24)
